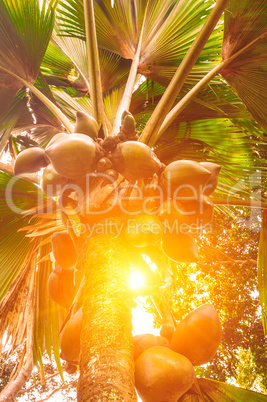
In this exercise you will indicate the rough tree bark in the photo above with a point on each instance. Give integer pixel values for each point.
(106, 363)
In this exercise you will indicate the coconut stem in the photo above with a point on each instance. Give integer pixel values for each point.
(93, 62)
(239, 203)
(128, 91)
(181, 105)
(151, 130)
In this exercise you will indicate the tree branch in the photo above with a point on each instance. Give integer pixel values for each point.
(93, 62)
(11, 390)
(21, 392)
(237, 202)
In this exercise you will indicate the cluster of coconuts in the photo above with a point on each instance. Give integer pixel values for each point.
(164, 371)
(187, 206)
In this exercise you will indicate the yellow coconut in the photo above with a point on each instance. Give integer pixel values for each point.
(180, 247)
(162, 375)
(30, 160)
(198, 335)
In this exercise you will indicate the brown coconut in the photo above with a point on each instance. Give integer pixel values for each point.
(61, 287)
(63, 250)
(145, 341)
(52, 183)
(86, 124)
(184, 178)
(180, 247)
(70, 338)
(74, 156)
(135, 160)
(211, 184)
(198, 335)
(30, 160)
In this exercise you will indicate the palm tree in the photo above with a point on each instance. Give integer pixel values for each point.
(193, 74)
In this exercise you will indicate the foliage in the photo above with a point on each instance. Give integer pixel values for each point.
(226, 276)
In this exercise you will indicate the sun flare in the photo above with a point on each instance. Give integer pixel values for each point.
(136, 280)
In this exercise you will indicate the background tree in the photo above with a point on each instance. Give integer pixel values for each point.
(51, 56)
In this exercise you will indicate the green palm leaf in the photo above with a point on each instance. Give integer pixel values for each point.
(18, 305)
(247, 74)
(211, 391)
(14, 246)
(25, 31)
(216, 101)
(12, 116)
(59, 70)
(215, 390)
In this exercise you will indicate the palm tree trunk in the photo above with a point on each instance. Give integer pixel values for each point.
(106, 362)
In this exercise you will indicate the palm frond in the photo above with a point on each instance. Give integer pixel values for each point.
(215, 390)
(164, 50)
(16, 195)
(18, 305)
(25, 31)
(217, 100)
(49, 315)
(247, 74)
(60, 71)
(12, 116)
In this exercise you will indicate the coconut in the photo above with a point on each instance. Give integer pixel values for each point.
(30, 160)
(213, 180)
(198, 212)
(61, 287)
(63, 250)
(145, 341)
(185, 178)
(74, 156)
(180, 247)
(70, 338)
(135, 160)
(103, 164)
(86, 124)
(56, 138)
(198, 335)
(70, 368)
(52, 183)
(143, 230)
(162, 375)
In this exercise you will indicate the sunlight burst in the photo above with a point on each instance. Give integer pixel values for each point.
(136, 280)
